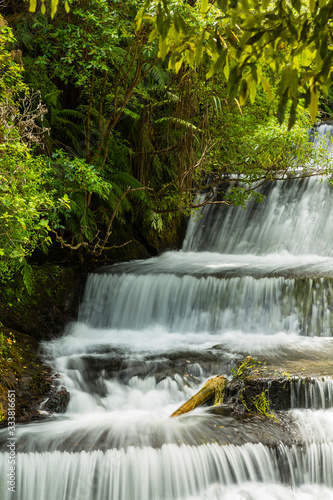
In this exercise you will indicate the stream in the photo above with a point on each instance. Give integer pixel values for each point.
(150, 333)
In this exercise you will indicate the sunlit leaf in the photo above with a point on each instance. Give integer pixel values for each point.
(33, 5)
(54, 7)
(203, 6)
(314, 100)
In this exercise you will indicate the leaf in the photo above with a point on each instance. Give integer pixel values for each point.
(139, 18)
(153, 34)
(239, 106)
(282, 106)
(324, 46)
(292, 114)
(163, 48)
(293, 83)
(253, 90)
(304, 32)
(159, 18)
(226, 69)
(54, 7)
(223, 5)
(267, 87)
(255, 38)
(244, 91)
(181, 23)
(33, 6)
(293, 30)
(314, 99)
(234, 78)
(179, 121)
(27, 273)
(166, 27)
(67, 7)
(217, 104)
(199, 49)
(175, 62)
(204, 6)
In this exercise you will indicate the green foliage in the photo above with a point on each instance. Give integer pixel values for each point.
(52, 5)
(85, 41)
(183, 98)
(251, 148)
(10, 71)
(41, 197)
(77, 186)
(24, 203)
(245, 40)
(261, 404)
(3, 350)
(242, 369)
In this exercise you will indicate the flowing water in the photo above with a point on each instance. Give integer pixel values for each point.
(150, 333)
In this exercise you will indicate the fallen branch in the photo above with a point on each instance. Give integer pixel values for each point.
(213, 388)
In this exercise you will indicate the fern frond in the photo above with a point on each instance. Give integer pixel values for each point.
(51, 99)
(158, 74)
(179, 121)
(132, 114)
(27, 273)
(78, 204)
(124, 179)
(73, 113)
(88, 224)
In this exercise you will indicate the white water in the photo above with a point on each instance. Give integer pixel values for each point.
(250, 282)
(295, 218)
(313, 393)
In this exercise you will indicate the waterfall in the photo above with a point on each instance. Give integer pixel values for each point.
(254, 281)
(312, 393)
(294, 218)
(206, 303)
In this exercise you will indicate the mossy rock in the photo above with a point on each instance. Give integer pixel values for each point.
(23, 371)
(52, 303)
(171, 237)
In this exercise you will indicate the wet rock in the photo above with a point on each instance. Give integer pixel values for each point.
(57, 402)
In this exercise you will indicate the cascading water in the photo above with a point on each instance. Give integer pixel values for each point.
(150, 333)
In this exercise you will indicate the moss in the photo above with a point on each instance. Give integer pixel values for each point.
(22, 370)
(247, 367)
(52, 303)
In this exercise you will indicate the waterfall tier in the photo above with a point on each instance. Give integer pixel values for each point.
(150, 333)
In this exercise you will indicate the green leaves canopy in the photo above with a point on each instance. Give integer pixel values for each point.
(252, 42)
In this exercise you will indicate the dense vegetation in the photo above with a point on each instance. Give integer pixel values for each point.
(108, 119)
